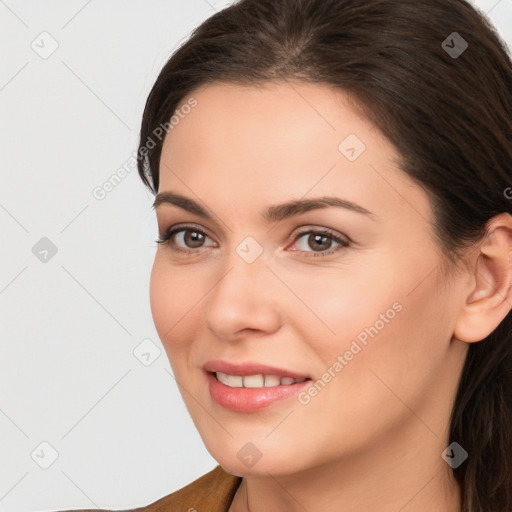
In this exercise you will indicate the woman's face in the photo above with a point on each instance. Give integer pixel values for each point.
(349, 295)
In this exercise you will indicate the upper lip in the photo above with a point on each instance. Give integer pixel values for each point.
(249, 368)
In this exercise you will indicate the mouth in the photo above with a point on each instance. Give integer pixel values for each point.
(250, 387)
(252, 371)
(256, 381)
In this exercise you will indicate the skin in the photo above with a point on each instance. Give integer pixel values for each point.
(372, 438)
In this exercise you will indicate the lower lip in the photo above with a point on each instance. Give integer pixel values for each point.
(250, 399)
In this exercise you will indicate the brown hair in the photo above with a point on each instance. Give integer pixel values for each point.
(448, 114)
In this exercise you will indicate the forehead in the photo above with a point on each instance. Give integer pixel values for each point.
(280, 140)
(271, 118)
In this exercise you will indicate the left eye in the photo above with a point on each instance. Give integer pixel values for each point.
(192, 238)
(321, 241)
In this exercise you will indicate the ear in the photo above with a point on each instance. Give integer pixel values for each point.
(490, 297)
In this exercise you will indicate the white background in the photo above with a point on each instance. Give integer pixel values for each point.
(69, 326)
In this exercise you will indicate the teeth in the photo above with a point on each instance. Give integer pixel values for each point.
(235, 381)
(256, 381)
(272, 380)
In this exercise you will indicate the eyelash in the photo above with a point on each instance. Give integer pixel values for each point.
(166, 238)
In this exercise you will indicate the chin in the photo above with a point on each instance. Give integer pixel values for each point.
(270, 464)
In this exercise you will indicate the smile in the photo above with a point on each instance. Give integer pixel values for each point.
(252, 393)
(256, 381)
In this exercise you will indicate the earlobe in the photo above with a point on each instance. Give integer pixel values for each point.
(490, 298)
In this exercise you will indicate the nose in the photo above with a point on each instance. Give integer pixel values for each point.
(244, 299)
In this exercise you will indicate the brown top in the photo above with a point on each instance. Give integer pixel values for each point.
(212, 492)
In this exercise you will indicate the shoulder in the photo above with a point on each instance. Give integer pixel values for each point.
(214, 491)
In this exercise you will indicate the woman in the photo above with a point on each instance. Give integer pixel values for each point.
(333, 282)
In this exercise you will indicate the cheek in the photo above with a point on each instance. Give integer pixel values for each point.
(172, 299)
(382, 317)
(159, 300)
(171, 307)
(395, 354)
(379, 382)
(336, 304)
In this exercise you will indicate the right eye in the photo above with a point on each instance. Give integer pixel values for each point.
(191, 239)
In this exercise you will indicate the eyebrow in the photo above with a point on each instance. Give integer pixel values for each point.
(273, 213)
